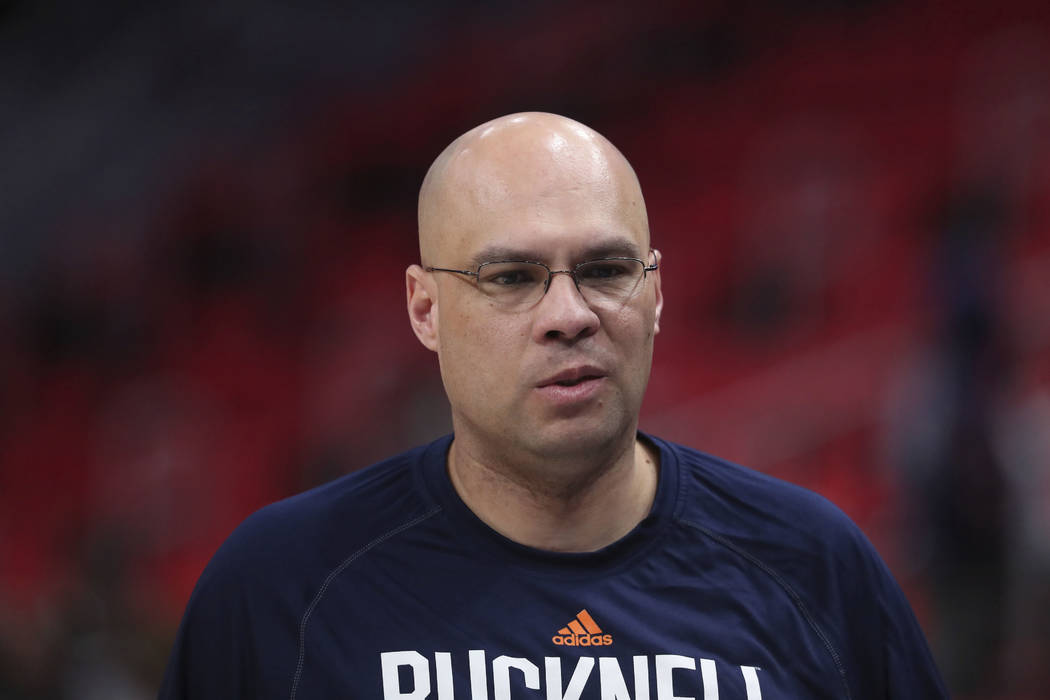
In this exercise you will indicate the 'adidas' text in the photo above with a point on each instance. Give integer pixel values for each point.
(582, 640)
(582, 631)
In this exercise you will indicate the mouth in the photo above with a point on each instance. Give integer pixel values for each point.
(573, 376)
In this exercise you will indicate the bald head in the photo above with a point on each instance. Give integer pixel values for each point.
(518, 168)
(537, 188)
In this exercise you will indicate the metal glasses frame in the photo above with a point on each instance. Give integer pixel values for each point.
(550, 273)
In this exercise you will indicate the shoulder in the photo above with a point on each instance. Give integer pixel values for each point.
(814, 552)
(239, 633)
(739, 502)
(821, 560)
(322, 526)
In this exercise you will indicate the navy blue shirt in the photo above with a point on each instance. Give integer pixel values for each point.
(384, 585)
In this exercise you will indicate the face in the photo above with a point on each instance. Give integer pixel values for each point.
(564, 376)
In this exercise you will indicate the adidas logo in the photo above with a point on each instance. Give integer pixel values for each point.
(582, 631)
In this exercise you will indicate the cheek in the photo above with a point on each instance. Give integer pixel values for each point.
(480, 355)
(632, 329)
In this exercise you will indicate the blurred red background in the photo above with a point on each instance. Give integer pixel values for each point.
(206, 216)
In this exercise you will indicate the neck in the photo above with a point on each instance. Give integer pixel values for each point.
(578, 508)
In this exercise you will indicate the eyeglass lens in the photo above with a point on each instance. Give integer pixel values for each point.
(523, 283)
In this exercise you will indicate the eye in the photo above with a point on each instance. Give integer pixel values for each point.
(604, 269)
(511, 274)
(510, 278)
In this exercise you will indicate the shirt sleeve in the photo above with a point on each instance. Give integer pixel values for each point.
(910, 669)
(212, 657)
(888, 652)
(239, 635)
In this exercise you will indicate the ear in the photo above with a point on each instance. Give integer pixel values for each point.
(655, 277)
(422, 305)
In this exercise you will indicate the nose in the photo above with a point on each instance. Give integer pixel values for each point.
(563, 313)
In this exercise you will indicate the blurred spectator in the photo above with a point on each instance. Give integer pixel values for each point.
(190, 322)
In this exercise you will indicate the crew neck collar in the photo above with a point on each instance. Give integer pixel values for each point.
(475, 533)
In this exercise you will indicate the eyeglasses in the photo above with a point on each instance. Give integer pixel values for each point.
(519, 284)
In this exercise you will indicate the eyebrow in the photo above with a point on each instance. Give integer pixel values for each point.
(616, 247)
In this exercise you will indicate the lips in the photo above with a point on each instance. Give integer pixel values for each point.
(573, 376)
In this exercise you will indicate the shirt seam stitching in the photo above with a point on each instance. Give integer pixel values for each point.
(794, 596)
(331, 577)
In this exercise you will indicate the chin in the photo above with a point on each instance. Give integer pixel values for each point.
(577, 438)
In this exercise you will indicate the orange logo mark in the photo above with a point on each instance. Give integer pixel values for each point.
(582, 631)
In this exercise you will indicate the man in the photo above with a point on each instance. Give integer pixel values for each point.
(546, 549)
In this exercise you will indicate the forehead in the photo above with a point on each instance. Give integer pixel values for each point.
(548, 197)
(589, 248)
